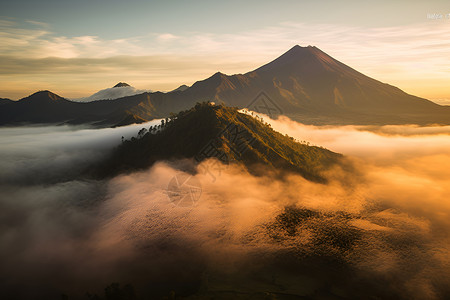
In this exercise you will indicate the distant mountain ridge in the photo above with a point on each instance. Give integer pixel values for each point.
(45, 107)
(304, 84)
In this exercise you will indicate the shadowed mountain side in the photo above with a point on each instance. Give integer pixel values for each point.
(5, 101)
(224, 133)
(46, 107)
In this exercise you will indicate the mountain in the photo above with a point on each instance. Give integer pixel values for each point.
(45, 107)
(5, 101)
(181, 88)
(308, 85)
(121, 84)
(304, 84)
(120, 90)
(208, 130)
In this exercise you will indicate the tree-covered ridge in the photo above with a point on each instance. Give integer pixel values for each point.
(216, 131)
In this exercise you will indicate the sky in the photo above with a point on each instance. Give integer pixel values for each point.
(75, 48)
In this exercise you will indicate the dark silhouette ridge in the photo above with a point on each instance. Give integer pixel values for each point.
(43, 96)
(5, 101)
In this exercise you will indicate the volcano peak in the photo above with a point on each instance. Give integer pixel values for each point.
(121, 84)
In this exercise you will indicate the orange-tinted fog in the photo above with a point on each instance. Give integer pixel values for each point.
(395, 199)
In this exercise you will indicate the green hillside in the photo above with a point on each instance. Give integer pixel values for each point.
(224, 133)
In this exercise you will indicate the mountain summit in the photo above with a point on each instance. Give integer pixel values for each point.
(121, 84)
(43, 97)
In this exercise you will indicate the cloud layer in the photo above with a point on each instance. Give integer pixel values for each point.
(380, 228)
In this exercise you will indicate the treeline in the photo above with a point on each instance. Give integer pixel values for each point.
(154, 129)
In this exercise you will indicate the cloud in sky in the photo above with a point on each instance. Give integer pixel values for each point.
(412, 57)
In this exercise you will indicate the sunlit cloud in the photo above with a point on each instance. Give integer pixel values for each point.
(167, 37)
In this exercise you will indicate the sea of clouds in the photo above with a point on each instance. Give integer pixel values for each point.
(378, 228)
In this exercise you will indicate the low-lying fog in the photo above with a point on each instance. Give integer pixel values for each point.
(380, 230)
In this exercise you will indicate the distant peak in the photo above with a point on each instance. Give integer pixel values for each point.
(121, 84)
(181, 88)
(43, 95)
(219, 76)
(300, 49)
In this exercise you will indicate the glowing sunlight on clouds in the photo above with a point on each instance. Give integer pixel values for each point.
(392, 206)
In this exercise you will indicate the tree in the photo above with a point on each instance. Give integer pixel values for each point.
(92, 297)
(115, 292)
(142, 132)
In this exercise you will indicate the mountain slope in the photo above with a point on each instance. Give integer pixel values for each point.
(223, 133)
(5, 101)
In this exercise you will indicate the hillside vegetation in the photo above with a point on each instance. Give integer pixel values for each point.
(215, 131)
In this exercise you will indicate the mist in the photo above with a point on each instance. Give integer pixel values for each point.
(41, 154)
(112, 93)
(379, 229)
